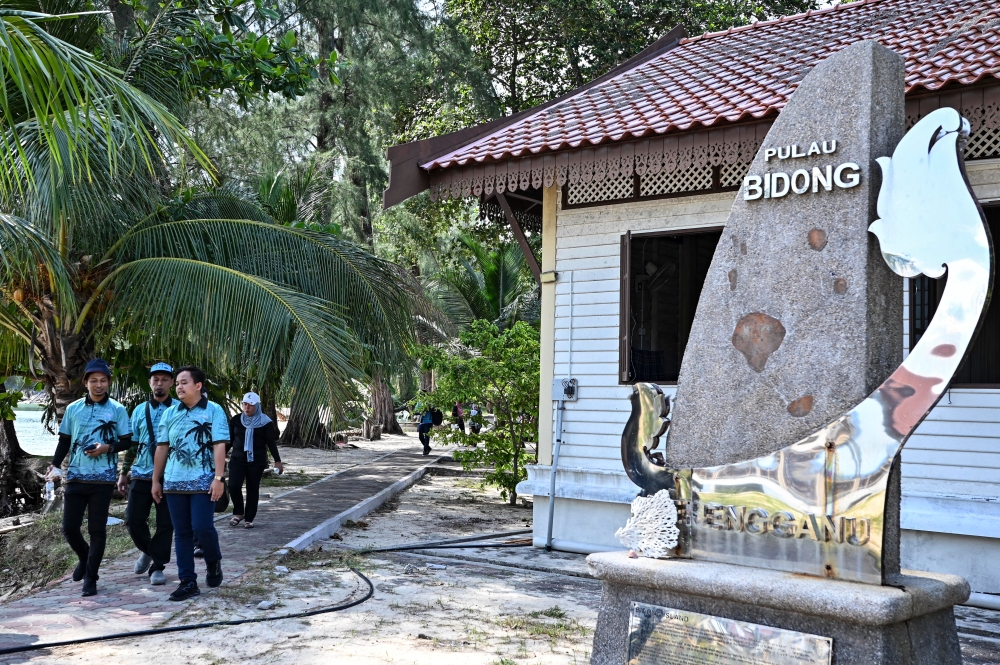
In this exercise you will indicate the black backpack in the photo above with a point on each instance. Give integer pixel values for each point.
(437, 417)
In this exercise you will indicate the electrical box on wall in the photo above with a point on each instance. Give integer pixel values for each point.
(565, 389)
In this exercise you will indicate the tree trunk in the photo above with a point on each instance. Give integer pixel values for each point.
(269, 406)
(305, 432)
(325, 31)
(64, 357)
(427, 381)
(20, 489)
(383, 413)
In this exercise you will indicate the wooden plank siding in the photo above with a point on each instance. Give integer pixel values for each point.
(956, 451)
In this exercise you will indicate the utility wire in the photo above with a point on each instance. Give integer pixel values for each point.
(195, 626)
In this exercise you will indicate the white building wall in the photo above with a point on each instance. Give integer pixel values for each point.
(951, 465)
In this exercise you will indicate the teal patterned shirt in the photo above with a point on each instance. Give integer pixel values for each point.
(87, 422)
(191, 435)
(142, 467)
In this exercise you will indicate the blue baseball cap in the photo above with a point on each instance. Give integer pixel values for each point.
(97, 365)
(161, 368)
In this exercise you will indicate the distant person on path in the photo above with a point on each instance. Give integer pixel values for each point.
(93, 431)
(459, 415)
(253, 434)
(137, 477)
(191, 459)
(474, 425)
(424, 429)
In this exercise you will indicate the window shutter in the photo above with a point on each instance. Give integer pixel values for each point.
(624, 309)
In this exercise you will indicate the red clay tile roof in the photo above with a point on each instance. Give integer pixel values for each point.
(750, 72)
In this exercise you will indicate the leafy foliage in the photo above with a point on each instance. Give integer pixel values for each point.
(498, 368)
(494, 284)
(535, 50)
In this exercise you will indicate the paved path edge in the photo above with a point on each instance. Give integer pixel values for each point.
(329, 527)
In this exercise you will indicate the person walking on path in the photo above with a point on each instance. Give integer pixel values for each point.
(191, 459)
(474, 425)
(137, 477)
(93, 431)
(253, 434)
(424, 429)
(458, 413)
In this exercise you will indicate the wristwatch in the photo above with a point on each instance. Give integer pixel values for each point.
(219, 478)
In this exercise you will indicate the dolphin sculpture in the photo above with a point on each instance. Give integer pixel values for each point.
(818, 505)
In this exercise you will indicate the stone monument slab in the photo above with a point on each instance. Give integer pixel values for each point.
(799, 317)
(910, 621)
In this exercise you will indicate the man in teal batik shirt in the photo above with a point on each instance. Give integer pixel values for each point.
(93, 431)
(136, 479)
(191, 458)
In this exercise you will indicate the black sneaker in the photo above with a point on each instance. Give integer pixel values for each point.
(79, 571)
(89, 587)
(198, 553)
(214, 576)
(188, 589)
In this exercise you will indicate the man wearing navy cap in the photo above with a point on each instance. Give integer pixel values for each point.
(137, 477)
(93, 431)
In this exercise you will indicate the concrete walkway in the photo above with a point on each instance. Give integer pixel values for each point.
(127, 602)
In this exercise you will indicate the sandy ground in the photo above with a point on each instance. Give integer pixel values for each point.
(467, 612)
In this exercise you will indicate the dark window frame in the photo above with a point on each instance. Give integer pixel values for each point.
(625, 295)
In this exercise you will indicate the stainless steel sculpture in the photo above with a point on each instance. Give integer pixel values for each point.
(817, 506)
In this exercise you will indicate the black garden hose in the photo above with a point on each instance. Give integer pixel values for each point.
(451, 543)
(195, 626)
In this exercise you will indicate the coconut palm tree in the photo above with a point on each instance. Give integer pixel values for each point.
(96, 260)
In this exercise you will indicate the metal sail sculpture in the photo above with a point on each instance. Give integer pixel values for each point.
(818, 505)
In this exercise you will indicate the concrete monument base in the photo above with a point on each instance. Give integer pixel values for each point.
(909, 622)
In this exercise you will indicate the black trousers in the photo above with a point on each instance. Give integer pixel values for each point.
(251, 472)
(140, 502)
(423, 432)
(94, 499)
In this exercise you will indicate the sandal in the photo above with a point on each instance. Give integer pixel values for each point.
(248, 525)
(235, 521)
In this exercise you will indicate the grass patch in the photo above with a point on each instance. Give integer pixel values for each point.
(337, 558)
(249, 590)
(38, 554)
(554, 612)
(536, 625)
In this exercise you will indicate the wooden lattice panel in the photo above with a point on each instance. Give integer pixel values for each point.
(983, 144)
(731, 175)
(609, 189)
(675, 182)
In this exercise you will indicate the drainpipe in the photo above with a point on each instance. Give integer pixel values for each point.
(566, 389)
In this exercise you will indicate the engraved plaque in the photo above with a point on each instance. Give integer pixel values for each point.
(663, 636)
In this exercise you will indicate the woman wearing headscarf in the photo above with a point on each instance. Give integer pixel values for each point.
(253, 434)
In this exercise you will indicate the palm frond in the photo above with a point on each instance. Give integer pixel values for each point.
(66, 92)
(494, 285)
(240, 324)
(157, 62)
(92, 212)
(28, 260)
(375, 297)
(13, 353)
